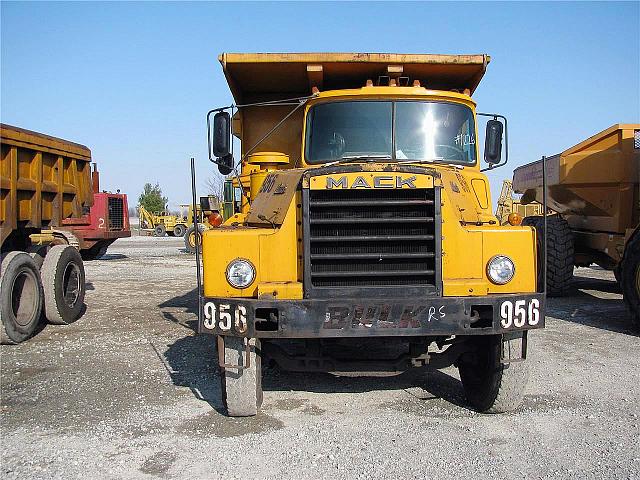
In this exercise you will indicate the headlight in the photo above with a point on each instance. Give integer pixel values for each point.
(500, 269)
(240, 273)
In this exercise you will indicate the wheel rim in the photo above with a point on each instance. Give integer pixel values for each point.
(71, 284)
(24, 297)
(192, 240)
(638, 280)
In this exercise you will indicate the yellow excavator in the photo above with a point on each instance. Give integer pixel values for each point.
(209, 212)
(165, 223)
(511, 211)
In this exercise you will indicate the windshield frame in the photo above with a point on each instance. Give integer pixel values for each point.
(393, 101)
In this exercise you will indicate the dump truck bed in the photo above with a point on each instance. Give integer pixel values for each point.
(594, 183)
(44, 180)
(264, 76)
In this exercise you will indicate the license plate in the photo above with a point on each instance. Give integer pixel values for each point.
(519, 313)
(224, 316)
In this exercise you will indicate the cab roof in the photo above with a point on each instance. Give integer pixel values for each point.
(256, 77)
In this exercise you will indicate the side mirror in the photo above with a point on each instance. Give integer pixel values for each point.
(225, 164)
(493, 142)
(221, 134)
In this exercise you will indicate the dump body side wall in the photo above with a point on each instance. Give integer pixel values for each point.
(44, 180)
(594, 184)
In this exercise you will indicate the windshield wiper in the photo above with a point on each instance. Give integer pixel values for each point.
(353, 158)
(433, 160)
(425, 160)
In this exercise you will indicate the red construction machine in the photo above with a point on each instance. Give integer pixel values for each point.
(100, 225)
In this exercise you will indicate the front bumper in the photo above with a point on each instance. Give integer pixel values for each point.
(344, 317)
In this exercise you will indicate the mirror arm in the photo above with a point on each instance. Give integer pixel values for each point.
(506, 139)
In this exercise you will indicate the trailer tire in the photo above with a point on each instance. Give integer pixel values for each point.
(191, 238)
(160, 230)
(21, 298)
(560, 253)
(630, 277)
(241, 387)
(64, 287)
(179, 230)
(490, 385)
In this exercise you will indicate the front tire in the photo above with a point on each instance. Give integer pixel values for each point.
(629, 274)
(241, 387)
(64, 286)
(192, 238)
(20, 297)
(490, 385)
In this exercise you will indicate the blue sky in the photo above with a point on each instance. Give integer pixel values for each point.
(133, 81)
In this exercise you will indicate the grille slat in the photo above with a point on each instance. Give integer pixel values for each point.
(390, 273)
(376, 256)
(372, 238)
(319, 221)
(367, 203)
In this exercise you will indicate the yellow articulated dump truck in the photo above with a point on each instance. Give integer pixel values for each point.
(511, 211)
(364, 221)
(595, 188)
(45, 180)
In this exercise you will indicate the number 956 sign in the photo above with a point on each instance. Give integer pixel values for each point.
(520, 313)
(224, 316)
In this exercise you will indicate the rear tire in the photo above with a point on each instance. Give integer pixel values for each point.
(629, 274)
(179, 230)
(490, 385)
(559, 253)
(190, 238)
(21, 297)
(64, 287)
(95, 252)
(241, 387)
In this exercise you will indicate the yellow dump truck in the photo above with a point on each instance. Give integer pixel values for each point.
(595, 188)
(45, 180)
(365, 221)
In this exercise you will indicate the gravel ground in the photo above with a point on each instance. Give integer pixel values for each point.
(129, 391)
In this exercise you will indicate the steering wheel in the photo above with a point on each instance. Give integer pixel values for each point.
(458, 153)
(337, 145)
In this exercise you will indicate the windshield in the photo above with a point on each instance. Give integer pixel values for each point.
(400, 130)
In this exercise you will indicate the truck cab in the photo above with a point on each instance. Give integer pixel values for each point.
(365, 217)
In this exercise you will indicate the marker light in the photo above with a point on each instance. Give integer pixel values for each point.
(500, 269)
(514, 219)
(240, 273)
(215, 219)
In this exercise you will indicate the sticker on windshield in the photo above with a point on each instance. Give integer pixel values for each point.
(465, 139)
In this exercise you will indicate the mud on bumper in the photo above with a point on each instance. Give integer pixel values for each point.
(371, 317)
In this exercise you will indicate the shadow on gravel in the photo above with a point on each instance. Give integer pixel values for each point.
(584, 308)
(192, 362)
(112, 256)
(182, 304)
(437, 383)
